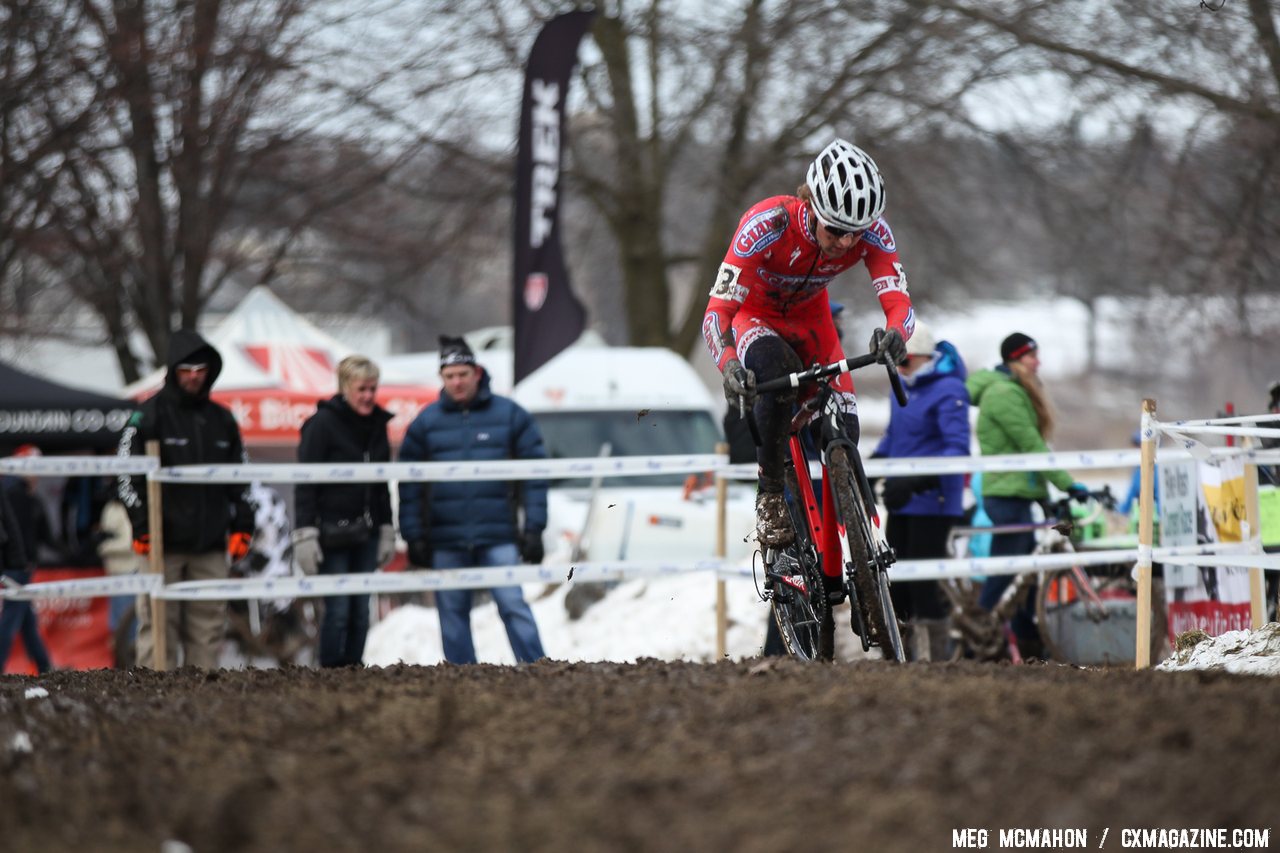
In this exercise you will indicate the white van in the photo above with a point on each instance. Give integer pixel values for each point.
(630, 401)
(624, 401)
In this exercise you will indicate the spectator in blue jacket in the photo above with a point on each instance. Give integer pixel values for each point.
(923, 509)
(458, 524)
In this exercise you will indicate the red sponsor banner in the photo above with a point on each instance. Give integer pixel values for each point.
(274, 416)
(1213, 617)
(75, 630)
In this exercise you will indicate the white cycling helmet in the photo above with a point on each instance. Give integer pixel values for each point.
(848, 192)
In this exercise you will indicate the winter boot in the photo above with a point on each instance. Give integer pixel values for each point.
(773, 525)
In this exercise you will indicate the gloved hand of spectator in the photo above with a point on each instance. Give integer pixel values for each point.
(1079, 491)
(306, 549)
(238, 546)
(420, 553)
(888, 343)
(386, 544)
(898, 491)
(142, 544)
(531, 547)
(739, 384)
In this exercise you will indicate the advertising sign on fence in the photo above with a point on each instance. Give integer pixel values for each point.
(1179, 510)
(1216, 599)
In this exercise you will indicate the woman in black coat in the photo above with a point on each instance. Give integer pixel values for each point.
(345, 528)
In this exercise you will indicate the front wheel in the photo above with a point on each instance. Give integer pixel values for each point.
(799, 599)
(870, 584)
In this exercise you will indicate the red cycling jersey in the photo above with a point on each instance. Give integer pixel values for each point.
(774, 281)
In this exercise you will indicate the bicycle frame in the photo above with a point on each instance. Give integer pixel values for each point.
(824, 533)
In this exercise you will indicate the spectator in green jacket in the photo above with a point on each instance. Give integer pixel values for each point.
(1015, 416)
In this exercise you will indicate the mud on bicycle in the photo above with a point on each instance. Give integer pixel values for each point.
(839, 551)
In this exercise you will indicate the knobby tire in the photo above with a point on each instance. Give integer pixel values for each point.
(870, 584)
(804, 619)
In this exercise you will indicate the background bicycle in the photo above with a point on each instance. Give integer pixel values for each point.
(1084, 615)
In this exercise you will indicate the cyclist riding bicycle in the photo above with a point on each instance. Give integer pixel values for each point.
(769, 313)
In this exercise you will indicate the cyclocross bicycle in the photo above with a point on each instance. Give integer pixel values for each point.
(839, 551)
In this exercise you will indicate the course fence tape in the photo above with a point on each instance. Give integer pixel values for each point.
(76, 466)
(507, 469)
(424, 580)
(96, 587)
(386, 583)
(622, 466)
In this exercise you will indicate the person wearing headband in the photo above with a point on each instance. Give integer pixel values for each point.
(1015, 415)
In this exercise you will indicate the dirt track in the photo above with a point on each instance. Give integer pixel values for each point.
(663, 756)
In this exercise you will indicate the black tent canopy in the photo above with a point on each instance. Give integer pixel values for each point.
(52, 416)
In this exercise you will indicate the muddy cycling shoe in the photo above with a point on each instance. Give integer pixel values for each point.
(773, 524)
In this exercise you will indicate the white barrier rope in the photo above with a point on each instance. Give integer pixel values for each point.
(424, 579)
(622, 466)
(1211, 554)
(76, 466)
(947, 569)
(96, 587)
(1235, 419)
(505, 469)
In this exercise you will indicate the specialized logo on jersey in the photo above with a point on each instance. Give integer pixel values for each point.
(760, 231)
(726, 286)
(880, 236)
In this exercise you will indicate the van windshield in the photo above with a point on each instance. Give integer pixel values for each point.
(656, 433)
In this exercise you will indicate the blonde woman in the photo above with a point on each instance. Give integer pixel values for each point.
(345, 528)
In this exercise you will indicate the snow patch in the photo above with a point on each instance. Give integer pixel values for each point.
(36, 693)
(1241, 652)
(668, 617)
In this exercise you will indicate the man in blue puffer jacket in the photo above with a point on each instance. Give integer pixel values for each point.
(458, 524)
(923, 509)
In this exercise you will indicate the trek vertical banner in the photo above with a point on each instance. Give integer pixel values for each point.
(546, 315)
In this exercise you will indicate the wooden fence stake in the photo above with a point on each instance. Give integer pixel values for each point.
(155, 523)
(1146, 514)
(722, 523)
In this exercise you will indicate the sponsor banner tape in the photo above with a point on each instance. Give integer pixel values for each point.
(587, 572)
(95, 587)
(76, 466)
(536, 469)
(425, 579)
(919, 570)
(1237, 419)
(504, 469)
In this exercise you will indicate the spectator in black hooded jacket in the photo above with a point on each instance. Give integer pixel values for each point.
(345, 528)
(19, 509)
(203, 524)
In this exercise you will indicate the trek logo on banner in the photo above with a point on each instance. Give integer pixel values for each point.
(545, 149)
(546, 315)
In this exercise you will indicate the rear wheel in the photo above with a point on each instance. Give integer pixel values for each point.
(870, 584)
(799, 598)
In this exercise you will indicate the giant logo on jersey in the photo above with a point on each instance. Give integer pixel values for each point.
(880, 236)
(760, 231)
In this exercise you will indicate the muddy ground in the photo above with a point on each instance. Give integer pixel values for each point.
(653, 756)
